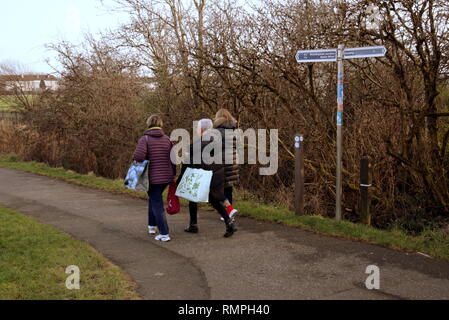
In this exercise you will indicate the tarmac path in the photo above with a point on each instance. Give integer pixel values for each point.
(261, 261)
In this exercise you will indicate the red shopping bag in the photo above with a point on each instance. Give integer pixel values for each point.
(173, 205)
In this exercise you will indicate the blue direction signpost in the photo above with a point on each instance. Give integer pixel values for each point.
(338, 55)
(365, 52)
(330, 55)
(316, 55)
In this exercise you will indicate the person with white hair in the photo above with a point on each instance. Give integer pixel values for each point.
(203, 126)
(216, 192)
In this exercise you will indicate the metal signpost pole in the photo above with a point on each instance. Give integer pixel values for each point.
(340, 87)
(338, 55)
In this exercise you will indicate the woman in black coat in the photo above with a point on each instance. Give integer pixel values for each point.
(224, 121)
(216, 192)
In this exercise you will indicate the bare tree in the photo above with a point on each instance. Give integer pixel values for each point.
(203, 55)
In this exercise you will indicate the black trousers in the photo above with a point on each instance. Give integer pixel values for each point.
(228, 194)
(217, 205)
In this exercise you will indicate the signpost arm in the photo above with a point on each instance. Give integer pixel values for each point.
(340, 87)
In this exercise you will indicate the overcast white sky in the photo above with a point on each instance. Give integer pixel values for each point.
(27, 25)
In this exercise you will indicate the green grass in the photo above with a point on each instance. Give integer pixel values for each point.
(10, 103)
(7, 103)
(7, 108)
(114, 186)
(34, 257)
(91, 181)
(433, 243)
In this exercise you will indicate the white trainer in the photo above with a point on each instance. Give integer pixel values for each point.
(163, 238)
(152, 230)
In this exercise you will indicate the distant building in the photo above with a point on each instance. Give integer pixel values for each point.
(149, 82)
(28, 82)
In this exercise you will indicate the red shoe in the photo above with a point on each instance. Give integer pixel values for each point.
(231, 211)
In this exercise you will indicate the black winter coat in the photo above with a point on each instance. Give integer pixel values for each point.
(231, 170)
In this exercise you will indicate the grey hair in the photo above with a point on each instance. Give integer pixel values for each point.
(205, 124)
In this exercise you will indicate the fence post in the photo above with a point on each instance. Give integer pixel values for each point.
(364, 196)
(299, 174)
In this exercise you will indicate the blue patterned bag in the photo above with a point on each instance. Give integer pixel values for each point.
(137, 177)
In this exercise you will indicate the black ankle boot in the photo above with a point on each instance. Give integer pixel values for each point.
(230, 229)
(191, 229)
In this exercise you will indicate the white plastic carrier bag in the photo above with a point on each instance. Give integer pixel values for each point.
(195, 185)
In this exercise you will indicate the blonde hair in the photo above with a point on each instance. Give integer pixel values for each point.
(155, 121)
(224, 114)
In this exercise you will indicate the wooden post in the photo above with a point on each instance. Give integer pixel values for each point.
(299, 174)
(364, 196)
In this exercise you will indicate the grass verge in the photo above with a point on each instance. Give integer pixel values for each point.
(11, 102)
(433, 243)
(34, 257)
